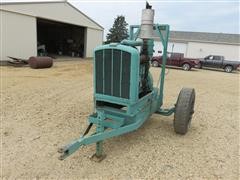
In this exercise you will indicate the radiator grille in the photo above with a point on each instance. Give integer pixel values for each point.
(112, 72)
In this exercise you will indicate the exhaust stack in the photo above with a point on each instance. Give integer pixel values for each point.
(146, 31)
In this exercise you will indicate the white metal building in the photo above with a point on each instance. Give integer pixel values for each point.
(201, 44)
(58, 25)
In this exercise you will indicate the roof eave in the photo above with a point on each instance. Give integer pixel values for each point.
(212, 42)
(59, 1)
(31, 2)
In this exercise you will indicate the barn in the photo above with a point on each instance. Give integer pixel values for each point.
(29, 28)
(201, 44)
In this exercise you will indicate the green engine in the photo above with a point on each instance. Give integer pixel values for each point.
(121, 74)
(124, 96)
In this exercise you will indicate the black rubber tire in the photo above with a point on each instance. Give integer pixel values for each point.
(228, 68)
(186, 67)
(184, 110)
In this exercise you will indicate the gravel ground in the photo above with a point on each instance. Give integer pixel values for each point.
(47, 108)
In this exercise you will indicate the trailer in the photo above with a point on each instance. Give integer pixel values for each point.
(124, 95)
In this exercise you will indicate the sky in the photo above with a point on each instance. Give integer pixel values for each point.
(220, 16)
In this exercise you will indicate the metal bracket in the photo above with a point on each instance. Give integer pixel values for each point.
(96, 158)
(166, 112)
(74, 146)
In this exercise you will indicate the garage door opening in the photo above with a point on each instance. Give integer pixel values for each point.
(60, 39)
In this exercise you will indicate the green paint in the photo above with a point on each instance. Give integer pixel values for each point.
(136, 110)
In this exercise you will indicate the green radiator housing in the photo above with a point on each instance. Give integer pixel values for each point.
(117, 75)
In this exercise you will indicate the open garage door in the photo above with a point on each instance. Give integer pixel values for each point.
(60, 39)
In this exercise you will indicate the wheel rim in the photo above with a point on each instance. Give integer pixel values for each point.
(155, 64)
(185, 67)
(228, 69)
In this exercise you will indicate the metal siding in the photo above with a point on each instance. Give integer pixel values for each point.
(94, 38)
(172, 46)
(200, 50)
(18, 36)
(53, 11)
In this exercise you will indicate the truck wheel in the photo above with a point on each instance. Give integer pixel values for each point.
(199, 66)
(184, 110)
(228, 68)
(186, 67)
(155, 64)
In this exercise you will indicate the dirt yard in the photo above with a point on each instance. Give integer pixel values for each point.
(47, 108)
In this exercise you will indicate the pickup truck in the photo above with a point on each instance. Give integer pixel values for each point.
(176, 59)
(214, 61)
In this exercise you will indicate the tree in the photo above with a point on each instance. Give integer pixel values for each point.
(119, 31)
